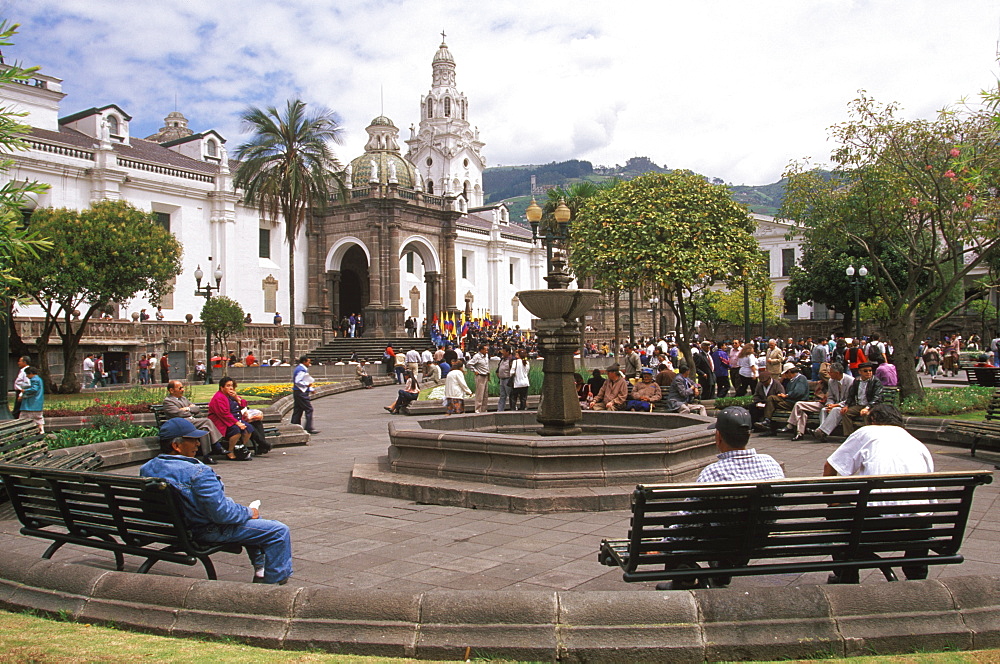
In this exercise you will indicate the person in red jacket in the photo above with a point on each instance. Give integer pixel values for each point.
(855, 356)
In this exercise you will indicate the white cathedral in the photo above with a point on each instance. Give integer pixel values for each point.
(413, 238)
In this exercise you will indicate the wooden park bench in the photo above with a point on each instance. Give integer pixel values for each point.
(161, 417)
(793, 526)
(134, 515)
(985, 433)
(20, 442)
(984, 376)
(780, 417)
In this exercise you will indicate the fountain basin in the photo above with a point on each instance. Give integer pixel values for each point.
(505, 448)
(555, 303)
(499, 461)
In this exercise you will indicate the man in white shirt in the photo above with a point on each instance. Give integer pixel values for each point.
(413, 361)
(301, 394)
(88, 370)
(21, 383)
(883, 447)
(427, 358)
(480, 366)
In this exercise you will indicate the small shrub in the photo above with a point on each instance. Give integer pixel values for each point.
(948, 401)
(272, 390)
(725, 402)
(68, 438)
(535, 378)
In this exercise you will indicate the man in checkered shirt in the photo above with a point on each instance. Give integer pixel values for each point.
(736, 463)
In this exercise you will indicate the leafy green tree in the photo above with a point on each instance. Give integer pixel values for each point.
(222, 317)
(917, 198)
(730, 309)
(17, 243)
(286, 169)
(108, 253)
(673, 231)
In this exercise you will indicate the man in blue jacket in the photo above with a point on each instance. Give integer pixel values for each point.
(211, 515)
(33, 399)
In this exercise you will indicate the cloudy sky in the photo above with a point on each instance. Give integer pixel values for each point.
(732, 89)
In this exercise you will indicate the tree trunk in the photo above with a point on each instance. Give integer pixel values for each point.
(848, 323)
(71, 384)
(42, 343)
(903, 335)
(291, 305)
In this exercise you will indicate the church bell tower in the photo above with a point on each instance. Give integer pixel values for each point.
(445, 148)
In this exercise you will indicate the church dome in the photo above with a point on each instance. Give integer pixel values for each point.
(443, 54)
(385, 162)
(382, 151)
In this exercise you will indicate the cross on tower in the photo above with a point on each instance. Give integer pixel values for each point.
(442, 36)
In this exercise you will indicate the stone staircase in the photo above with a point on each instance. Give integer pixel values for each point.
(370, 348)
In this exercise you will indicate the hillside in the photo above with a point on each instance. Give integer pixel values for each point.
(513, 183)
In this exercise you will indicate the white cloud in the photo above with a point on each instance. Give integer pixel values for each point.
(729, 88)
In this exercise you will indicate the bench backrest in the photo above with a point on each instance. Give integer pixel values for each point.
(134, 510)
(800, 517)
(157, 410)
(20, 439)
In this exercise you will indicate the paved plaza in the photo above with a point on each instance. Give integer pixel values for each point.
(344, 540)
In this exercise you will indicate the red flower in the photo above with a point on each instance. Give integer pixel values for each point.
(954, 152)
(950, 174)
(914, 201)
(929, 167)
(966, 204)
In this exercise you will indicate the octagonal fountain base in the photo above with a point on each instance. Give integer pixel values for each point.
(499, 461)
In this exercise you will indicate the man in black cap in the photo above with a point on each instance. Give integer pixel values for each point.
(735, 463)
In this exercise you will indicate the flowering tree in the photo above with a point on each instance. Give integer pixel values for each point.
(915, 198)
(674, 231)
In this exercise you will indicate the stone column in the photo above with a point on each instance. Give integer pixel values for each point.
(333, 301)
(450, 295)
(433, 281)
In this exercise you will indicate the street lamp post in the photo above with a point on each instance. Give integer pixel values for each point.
(653, 303)
(856, 282)
(763, 315)
(206, 292)
(554, 237)
(746, 311)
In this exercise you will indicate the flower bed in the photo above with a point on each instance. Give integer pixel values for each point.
(112, 421)
(273, 390)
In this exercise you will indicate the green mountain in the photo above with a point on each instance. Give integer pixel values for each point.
(513, 183)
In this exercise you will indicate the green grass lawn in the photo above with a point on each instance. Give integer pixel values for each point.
(196, 393)
(28, 638)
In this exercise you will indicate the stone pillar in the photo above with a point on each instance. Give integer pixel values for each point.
(450, 295)
(393, 324)
(433, 281)
(375, 268)
(559, 409)
(335, 313)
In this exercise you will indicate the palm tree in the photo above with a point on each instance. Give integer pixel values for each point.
(287, 168)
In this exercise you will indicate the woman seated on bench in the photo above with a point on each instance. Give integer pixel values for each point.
(226, 410)
(406, 396)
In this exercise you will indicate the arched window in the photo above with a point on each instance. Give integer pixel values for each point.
(212, 148)
(113, 127)
(430, 186)
(447, 107)
(430, 108)
(465, 189)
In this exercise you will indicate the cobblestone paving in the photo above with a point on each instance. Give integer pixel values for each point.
(345, 540)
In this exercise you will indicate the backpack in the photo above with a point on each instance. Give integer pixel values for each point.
(874, 353)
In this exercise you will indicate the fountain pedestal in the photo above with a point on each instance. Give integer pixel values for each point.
(558, 333)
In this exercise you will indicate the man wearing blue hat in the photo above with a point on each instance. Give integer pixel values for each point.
(211, 515)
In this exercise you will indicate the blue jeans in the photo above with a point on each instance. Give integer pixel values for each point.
(505, 391)
(816, 375)
(637, 405)
(268, 544)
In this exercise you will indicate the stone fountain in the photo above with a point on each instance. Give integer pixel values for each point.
(575, 461)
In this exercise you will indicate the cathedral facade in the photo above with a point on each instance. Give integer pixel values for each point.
(413, 237)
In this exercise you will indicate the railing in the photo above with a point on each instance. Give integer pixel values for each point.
(60, 149)
(165, 170)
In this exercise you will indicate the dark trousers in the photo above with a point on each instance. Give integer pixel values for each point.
(519, 398)
(301, 405)
(745, 384)
(721, 386)
(17, 404)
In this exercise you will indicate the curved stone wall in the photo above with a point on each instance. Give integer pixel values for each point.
(626, 626)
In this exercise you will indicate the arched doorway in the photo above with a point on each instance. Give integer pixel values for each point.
(354, 293)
